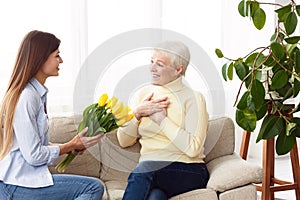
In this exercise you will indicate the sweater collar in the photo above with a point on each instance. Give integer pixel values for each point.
(174, 86)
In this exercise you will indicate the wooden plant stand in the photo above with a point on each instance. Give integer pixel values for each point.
(270, 184)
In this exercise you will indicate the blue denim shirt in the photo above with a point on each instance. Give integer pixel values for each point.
(26, 164)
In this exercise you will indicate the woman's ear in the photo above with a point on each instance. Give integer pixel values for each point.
(179, 69)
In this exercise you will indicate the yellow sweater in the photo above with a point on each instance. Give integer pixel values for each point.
(180, 136)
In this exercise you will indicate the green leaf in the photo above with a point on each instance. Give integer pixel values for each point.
(251, 103)
(95, 122)
(292, 40)
(270, 62)
(230, 71)
(241, 70)
(258, 75)
(298, 10)
(242, 104)
(290, 23)
(258, 93)
(243, 8)
(296, 132)
(258, 58)
(290, 127)
(224, 70)
(284, 143)
(291, 48)
(279, 80)
(277, 37)
(297, 61)
(91, 128)
(219, 53)
(260, 113)
(246, 119)
(296, 87)
(286, 91)
(88, 109)
(271, 127)
(283, 12)
(277, 50)
(259, 18)
(254, 5)
(288, 94)
(248, 81)
(81, 126)
(100, 129)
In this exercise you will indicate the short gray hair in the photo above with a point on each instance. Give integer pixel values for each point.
(177, 51)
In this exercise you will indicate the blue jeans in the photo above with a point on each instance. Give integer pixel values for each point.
(66, 187)
(162, 180)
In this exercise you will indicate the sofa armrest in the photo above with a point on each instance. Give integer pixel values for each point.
(232, 171)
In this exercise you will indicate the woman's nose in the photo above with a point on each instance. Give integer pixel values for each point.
(152, 67)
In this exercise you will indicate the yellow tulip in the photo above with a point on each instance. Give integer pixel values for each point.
(121, 122)
(117, 108)
(123, 112)
(111, 102)
(125, 119)
(102, 100)
(131, 115)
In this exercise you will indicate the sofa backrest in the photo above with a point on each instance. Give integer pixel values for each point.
(220, 139)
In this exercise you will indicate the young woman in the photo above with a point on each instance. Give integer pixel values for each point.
(25, 151)
(171, 123)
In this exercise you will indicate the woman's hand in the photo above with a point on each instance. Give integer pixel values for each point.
(80, 142)
(158, 117)
(150, 106)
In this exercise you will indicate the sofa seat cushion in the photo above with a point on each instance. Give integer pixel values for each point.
(199, 194)
(115, 191)
(247, 192)
(232, 171)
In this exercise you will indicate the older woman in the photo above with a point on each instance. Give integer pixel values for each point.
(171, 124)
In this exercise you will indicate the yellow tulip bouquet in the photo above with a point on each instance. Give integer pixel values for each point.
(104, 116)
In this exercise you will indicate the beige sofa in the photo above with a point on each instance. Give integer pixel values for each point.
(231, 177)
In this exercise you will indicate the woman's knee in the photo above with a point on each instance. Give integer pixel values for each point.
(156, 194)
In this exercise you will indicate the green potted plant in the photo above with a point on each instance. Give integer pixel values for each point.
(270, 75)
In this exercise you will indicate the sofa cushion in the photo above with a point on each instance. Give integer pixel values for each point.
(220, 138)
(247, 192)
(115, 190)
(232, 171)
(199, 194)
(117, 162)
(63, 129)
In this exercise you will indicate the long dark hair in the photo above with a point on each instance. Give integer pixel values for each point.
(33, 53)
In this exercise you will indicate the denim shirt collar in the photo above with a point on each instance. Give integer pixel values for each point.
(41, 89)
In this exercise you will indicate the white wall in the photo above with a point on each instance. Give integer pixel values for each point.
(83, 25)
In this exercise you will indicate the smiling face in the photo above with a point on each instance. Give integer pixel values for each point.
(162, 70)
(50, 67)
